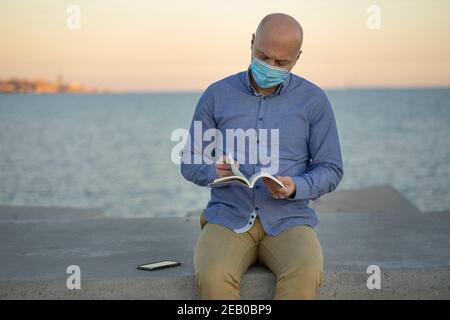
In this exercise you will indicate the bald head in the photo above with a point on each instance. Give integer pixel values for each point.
(278, 40)
(281, 25)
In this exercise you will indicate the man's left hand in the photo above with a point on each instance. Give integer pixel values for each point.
(278, 192)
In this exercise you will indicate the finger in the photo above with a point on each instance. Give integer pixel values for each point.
(268, 181)
(271, 190)
(287, 181)
(223, 173)
(276, 188)
(274, 193)
(289, 185)
(281, 193)
(273, 185)
(276, 196)
(269, 186)
(223, 166)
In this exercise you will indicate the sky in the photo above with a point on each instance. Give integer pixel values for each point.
(179, 45)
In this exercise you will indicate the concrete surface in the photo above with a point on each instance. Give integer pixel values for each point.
(24, 213)
(410, 247)
(374, 199)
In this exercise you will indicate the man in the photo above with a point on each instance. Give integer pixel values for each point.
(267, 224)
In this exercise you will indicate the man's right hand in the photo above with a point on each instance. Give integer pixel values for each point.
(223, 167)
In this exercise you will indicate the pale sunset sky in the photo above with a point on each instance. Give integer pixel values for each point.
(146, 45)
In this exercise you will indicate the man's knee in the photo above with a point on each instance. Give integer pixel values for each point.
(313, 273)
(300, 282)
(216, 283)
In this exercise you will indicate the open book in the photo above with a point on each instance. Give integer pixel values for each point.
(239, 179)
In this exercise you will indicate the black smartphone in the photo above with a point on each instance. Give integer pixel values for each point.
(158, 265)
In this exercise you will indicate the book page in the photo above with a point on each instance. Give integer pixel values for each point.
(262, 174)
(230, 180)
(237, 179)
(234, 168)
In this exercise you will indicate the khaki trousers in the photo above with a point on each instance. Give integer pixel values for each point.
(222, 256)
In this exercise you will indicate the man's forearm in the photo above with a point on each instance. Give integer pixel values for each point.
(200, 174)
(316, 182)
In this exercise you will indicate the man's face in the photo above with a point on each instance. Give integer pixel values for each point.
(276, 50)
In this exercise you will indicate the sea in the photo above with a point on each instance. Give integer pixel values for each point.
(113, 151)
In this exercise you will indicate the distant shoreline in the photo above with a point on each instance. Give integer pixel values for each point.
(328, 89)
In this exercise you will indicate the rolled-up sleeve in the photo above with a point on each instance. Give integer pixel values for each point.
(325, 170)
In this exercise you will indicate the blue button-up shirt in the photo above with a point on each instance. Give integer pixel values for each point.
(309, 151)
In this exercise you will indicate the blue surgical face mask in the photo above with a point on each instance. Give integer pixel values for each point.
(265, 75)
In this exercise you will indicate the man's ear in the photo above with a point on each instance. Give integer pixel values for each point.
(252, 41)
(299, 54)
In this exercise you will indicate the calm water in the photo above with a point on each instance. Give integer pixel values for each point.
(113, 151)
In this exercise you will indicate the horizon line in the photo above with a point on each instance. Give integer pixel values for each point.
(168, 91)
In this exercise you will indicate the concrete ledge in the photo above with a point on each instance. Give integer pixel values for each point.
(374, 199)
(38, 243)
(411, 250)
(429, 284)
(26, 213)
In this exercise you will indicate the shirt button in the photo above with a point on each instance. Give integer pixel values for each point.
(256, 208)
(256, 187)
(260, 119)
(252, 216)
(250, 222)
(257, 141)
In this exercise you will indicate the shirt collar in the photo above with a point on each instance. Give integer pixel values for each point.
(281, 87)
